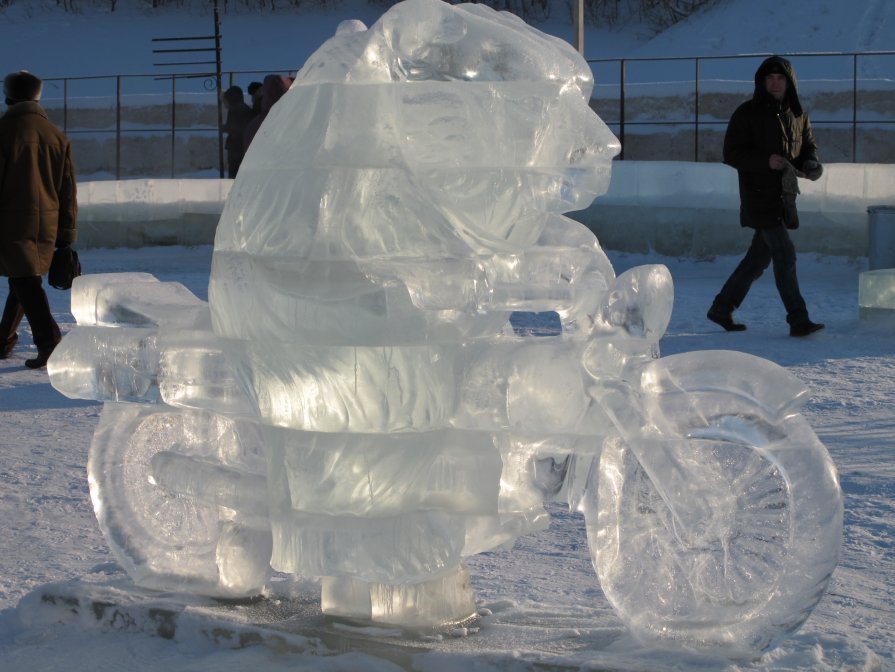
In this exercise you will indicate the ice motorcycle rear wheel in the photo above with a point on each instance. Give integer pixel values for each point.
(160, 480)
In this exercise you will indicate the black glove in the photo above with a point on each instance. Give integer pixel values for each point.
(812, 170)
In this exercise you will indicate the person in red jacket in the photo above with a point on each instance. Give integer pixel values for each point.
(38, 212)
(770, 142)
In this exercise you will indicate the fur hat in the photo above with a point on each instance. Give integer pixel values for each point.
(21, 86)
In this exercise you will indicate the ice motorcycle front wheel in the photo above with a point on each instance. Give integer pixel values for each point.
(742, 577)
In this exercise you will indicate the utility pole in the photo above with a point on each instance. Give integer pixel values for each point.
(578, 26)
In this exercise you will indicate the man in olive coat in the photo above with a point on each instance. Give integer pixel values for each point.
(770, 142)
(38, 212)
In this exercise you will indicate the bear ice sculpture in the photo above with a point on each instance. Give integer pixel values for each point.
(352, 404)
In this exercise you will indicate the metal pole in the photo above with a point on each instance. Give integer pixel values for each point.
(854, 109)
(621, 107)
(173, 122)
(578, 27)
(118, 127)
(696, 127)
(217, 51)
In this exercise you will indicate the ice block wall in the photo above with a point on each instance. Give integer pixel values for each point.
(671, 207)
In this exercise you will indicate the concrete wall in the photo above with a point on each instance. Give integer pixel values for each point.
(670, 208)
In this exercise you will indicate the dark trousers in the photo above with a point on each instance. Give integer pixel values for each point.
(768, 245)
(27, 298)
(234, 160)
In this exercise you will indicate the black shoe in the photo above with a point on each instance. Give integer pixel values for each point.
(7, 346)
(804, 328)
(40, 361)
(725, 320)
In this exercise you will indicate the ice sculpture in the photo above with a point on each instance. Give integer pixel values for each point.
(353, 405)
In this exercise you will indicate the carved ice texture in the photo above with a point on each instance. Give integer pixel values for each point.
(352, 403)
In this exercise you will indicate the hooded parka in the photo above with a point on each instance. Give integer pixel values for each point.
(759, 128)
(38, 201)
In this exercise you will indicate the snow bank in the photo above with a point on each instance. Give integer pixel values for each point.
(667, 207)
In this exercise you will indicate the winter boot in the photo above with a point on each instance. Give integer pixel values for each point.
(725, 320)
(804, 327)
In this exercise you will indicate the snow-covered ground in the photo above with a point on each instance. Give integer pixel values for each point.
(545, 601)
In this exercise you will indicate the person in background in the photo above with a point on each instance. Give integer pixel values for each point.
(254, 91)
(38, 212)
(238, 116)
(770, 143)
(274, 88)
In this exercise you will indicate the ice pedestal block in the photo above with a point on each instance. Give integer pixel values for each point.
(436, 602)
(876, 293)
(353, 404)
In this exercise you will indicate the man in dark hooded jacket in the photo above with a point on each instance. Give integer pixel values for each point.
(38, 212)
(770, 142)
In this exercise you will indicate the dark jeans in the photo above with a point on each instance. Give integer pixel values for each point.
(768, 245)
(27, 298)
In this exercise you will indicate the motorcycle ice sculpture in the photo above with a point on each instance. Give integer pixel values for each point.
(351, 403)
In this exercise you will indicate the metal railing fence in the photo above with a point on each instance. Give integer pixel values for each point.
(673, 108)
(143, 124)
(850, 98)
